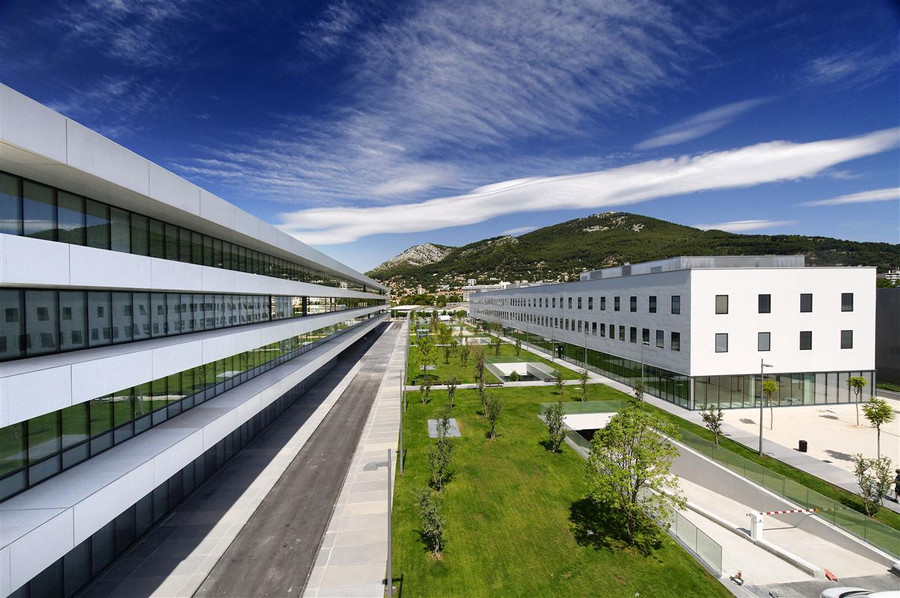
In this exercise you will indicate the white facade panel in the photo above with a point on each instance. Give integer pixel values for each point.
(99, 268)
(172, 189)
(216, 210)
(31, 554)
(94, 154)
(32, 126)
(25, 261)
(35, 393)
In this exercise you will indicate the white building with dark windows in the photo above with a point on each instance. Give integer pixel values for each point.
(699, 327)
(148, 331)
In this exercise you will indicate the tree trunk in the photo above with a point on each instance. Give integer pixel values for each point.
(878, 432)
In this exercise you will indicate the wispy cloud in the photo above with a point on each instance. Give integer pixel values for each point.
(699, 125)
(744, 167)
(441, 91)
(520, 230)
(324, 36)
(853, 68)
(889, 194)
(740, 226)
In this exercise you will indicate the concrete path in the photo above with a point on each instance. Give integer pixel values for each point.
(178, 555)
(525, 383)
(353, 557)
(786, 454)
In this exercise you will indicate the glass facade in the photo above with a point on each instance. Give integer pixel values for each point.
(43, 212)
(793, 389)
(39, 322)
(33, 450)
(74, 570)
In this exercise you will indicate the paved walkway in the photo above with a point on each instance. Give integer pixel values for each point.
(802, 461)
(353, 557)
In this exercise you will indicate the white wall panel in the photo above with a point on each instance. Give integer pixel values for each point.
(32, 553)
(25, 261)
(35, 393)
(97, 377)
(216, 210)
(32, 126)
(92, 153)
(172, 189)
(100, 268)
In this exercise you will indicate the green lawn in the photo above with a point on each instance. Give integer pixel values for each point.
(507, 510)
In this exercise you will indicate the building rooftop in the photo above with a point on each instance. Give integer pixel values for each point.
(698, 261)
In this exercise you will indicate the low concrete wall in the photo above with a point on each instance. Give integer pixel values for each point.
(709, 474)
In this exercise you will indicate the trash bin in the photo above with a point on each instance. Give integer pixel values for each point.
(802, 447)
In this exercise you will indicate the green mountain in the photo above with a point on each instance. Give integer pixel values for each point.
(562, 251)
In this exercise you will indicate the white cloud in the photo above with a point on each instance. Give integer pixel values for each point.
(520, 230)
(739, 226)
(744, 167)
(889, 194)
(698, 125)
(856, 69)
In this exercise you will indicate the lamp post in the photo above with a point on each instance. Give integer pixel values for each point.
(643, 344)
(372, 466)
(762, 366)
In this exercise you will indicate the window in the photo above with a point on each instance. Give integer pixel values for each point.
(570, 303)
(764, 303)
(676, 304)
(721, 342)
(590, 303)
(763, 341)
(120, 230)
(621, 333)
(806, 340)
(633, 334)
(675, 342)
(602, 303)
(846, 339)
(97, 224)
(645, 336)
(652, 306)
(554, 302)
(10, 205)
(616, 303)
(805, 302)
(632, 303)
(39, 211)
(579, 303)
(846, 301)
(71, 218)
(660, 339)
(721, 304)
(594, 328)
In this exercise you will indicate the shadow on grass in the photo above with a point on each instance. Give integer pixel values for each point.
(599, 526)
(548, 446)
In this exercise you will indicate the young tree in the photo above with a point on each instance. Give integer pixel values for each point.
(445, 338)
(518, 346)
(452, 383)
(857, 383)
(555, 425)
(464, 354)
(432, 522)
(439, 454)
(628, 470)
(425, 389)
(559, 382)
(638, 391)
(712, 419)
(878, 412)
(492, 412)
(496, 343)
(583, 384)
(426, 354)
(478, 354)
(874, 477)
(770, 387)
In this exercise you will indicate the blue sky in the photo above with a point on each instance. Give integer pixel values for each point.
(366, 127)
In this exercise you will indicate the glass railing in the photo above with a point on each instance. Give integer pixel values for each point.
(695, 540)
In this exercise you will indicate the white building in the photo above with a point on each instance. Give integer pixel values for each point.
(701, 325)
(135, 307)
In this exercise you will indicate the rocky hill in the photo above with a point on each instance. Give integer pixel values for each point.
(562, 251)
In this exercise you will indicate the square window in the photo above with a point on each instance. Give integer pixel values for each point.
(675, 343)
(660, 339)
(765, 303)
(721, 342)
(846, 339)
(846, 301)
(763, 341)
(805, 302)
(652, 306)
(806, 340)
(721, 304)
(676, 304)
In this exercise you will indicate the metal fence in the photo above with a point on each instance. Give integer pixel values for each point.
(848, 519)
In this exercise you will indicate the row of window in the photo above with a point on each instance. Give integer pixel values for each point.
(39, 322)
(34, 210)
(764, 341)
(550, 302)
(764, 303)
(34, 450)
(73, 571)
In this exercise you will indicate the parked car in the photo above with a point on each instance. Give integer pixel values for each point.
(858, 593)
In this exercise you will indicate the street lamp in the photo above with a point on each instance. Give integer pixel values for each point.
(762, 366)
(643, 344)
(373, 466)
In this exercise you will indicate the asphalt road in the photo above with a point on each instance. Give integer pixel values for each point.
(275, 551)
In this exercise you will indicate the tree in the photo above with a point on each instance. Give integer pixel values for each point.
(558, 381)
(464, 354)
(439, 452)
(857, 383)
(479, 364)
(445, 338)
(492, 409)
(878, 412)
(425, 389)
(628, 470)
(770, 387)
(452, 382)
(554, 417)
(583, 384)
(496, 343)
(639, 391)
(432, 522)
(518, 346)
(874, 478)
(712, 419)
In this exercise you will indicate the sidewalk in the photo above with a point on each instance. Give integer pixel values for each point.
(352, 560)
(826, 471)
